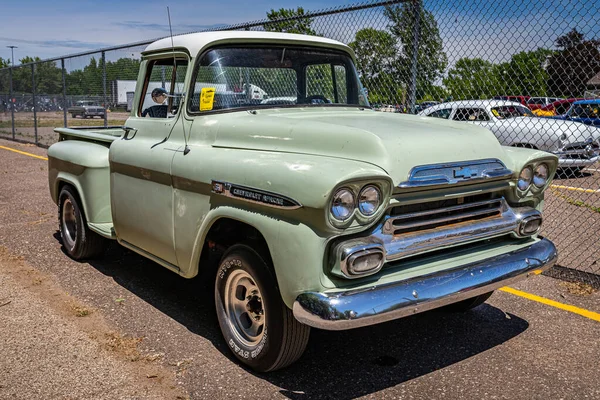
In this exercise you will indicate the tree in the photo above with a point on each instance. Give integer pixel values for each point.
(524, 74)
(431, 59)
(472, 78)
(294, 22)
(376, 54)
(574, 65)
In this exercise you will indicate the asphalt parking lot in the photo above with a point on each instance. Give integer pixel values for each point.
(154, 334)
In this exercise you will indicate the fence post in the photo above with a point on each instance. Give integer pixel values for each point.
(35, 127)
(12, 103)
(64, 85)
(412, 90)
(104, 88)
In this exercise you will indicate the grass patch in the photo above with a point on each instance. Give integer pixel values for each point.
(578, 288)
(576, 203)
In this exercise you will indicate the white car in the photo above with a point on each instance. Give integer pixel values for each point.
(577, 145)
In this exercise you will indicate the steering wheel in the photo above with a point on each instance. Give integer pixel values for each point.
(311, 99)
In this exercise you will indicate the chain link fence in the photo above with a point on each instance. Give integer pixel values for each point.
(527, 71)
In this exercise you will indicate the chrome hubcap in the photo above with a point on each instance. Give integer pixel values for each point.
(69, 224)
(244, 308)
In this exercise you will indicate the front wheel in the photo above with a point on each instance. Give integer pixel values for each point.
(258, 327)
(78, 240)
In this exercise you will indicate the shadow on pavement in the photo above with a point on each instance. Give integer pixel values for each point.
(337, 365)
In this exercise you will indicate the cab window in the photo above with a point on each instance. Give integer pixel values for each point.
(163, 88)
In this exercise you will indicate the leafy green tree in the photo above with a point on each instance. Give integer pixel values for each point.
(524, 74)
(574, 65)
(472, 78)
(376, 55)
(431, 58)
(296, 23)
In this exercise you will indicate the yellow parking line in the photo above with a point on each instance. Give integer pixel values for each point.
(576, 189)
(576, 310)
(23, 152)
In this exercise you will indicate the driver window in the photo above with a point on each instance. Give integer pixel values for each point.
(163, 88)
(326, 83)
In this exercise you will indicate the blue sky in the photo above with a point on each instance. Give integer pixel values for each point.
(491, 29)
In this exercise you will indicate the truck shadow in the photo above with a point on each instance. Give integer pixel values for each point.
(338, 365)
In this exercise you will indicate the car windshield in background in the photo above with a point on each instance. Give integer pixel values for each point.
(229, 78)
(585, 111)
(505, 112)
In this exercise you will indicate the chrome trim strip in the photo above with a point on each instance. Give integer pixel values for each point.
(380, 303)
(454, 173)
(253, 195)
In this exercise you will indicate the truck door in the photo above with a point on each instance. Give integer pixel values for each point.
(140, 164)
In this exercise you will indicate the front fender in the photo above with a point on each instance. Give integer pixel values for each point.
(296, 250)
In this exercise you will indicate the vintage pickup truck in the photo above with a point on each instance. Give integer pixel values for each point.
(319, 211)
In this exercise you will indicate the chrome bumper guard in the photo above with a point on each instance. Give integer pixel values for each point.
(381, 303)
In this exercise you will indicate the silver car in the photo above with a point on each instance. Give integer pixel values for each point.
(577, 145)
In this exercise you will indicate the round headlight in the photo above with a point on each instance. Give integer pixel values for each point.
(525, 178)
(540, 175)
(369, 200)
(342, 205)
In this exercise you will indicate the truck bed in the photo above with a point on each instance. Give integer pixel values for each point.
(92, 133)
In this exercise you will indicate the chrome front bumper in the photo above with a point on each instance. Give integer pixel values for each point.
(363, 307)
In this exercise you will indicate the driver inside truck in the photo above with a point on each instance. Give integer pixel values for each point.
(159, 95)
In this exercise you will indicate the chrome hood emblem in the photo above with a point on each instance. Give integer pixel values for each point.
(453, 173)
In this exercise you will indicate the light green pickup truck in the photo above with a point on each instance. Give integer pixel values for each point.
(319, 211)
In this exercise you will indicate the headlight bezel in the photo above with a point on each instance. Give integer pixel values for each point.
(528, 181)
(532, 189)
(535, 173)
(357, 219)
(360, 195)
(352, 203)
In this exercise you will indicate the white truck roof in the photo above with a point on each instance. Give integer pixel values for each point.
(195, 42)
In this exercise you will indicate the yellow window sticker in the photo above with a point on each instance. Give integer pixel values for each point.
(207, 96)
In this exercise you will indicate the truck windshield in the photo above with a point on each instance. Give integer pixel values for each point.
(232, 78)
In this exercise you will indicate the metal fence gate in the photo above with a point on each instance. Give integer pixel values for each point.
(528, 71)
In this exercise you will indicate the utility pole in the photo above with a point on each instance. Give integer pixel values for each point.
(12, 54)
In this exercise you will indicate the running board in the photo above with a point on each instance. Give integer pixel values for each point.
(106, 230)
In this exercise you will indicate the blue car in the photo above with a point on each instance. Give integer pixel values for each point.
(584, 111)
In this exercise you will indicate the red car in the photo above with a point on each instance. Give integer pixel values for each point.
(558, 107)
(518, 99)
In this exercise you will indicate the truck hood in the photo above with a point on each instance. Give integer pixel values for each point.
(394, 142)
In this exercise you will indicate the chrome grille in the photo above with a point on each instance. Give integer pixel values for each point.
(420, 228)
(440, 217)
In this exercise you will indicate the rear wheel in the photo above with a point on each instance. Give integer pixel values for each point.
(78, 240)
(258, 327)
(468, 304)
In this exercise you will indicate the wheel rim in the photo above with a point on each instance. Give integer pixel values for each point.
(244, 308)
(69, 224)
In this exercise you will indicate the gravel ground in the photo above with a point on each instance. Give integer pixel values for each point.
(509, 347)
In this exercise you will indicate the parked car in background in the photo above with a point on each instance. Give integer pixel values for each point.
(519, 99)
(86, 109)
(424, 105)
(535, 103)
(584, 111)
(558, 107)
(576, 145)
